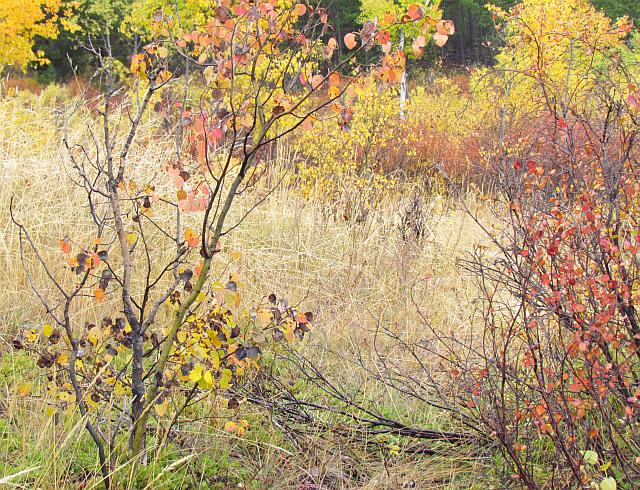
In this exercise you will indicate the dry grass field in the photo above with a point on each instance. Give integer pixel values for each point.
(352, 275)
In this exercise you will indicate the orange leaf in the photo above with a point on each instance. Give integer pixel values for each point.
(420, 42)
(446, 27)
(65, 245)
(414, 11)
(350, 40)
(300, 9)
(389, 18)
(440, 39)
(191, 238)
(98, 294)
(383, 37)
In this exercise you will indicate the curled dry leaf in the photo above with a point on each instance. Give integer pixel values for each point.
(350, 40)
(440, 39)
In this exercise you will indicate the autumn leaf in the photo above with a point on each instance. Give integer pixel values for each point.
(98, 294)
(350, 40)
(208, 378)
(414, 11)
(333, 92)
(196, 374)
(191, 238)
(389, 18)
(161, 406)
(446, 27)
(24, 389)
(440, 39)
(264, 316)
(95, 334)
(65, 245)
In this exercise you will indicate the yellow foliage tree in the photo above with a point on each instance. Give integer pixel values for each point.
(187, 13)
(562, 45)
(21, 21)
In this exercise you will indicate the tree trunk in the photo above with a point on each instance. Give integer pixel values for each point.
(403, 81)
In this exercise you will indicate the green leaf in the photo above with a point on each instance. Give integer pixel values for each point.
(225, 379)
(608, 484)
(590, 457)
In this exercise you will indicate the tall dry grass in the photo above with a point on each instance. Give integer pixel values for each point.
(351, 276)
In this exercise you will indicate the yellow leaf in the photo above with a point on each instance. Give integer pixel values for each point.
(232, 298)
(31, 335)
(95, 335)
(24, 389)
(47, 330)
(163, 52)
(161, 408)
(196, 374)
(230, 426)
(201, 297)
(208, 378)
(216, 342)
(119, 389)
(65, 396)
(132, 238)
(235, 254)
(264, 316)
(215, 360)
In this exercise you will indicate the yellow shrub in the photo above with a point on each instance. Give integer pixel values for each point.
(338, 160)
(441, 130)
